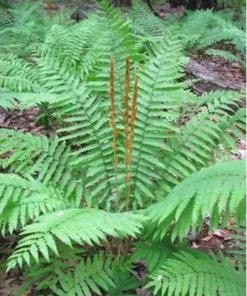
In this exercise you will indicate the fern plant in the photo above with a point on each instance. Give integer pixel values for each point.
(205, 28)
(137, 162)
(187, 199)
(198, 30)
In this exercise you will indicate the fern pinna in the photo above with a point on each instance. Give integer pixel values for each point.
(137, 161)
(194, 273)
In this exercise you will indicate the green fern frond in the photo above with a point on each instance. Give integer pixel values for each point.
(86, 125)
(232, 128)
(25, 100)
(5, 18)
(194, 273)
(43, 275)
(124, 281)
(47, 160)
(220, 101)
(17, 75)
(89, 277)
(232, 33)
(22, 200)
(237, 244)
(7, 101)
(215, 191)
(159, 99)
(68, 44)
(203, 28)
(62, 78)
(144, 22)
(116, 40)
(153, 253)
(12, 188)
(72, 226)
(199, 20)
(29, 25)
(23, 29)
(24, 148)
(207, 136)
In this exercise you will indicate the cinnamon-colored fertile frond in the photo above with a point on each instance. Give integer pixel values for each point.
(112, 94)
(133, 109)
(112, 116)
(128, 119)
(126, 91)
(129, 116)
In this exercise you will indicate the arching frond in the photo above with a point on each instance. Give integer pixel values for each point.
(89, 277)
(27, 24)
(237, 244)
(216, 191)
(144, 22)
(72, 226)
(206, 137)
(159, 99)
(154, 254)
(194, 273)
(22, 200)
(47, 160)
(5, 18)
(17, 75)
(204, 28)
(116, 40)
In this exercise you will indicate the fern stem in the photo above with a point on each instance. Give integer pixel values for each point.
(114, 127)
(129, 127)
(131, 137)
(133, 110)
(126, 121)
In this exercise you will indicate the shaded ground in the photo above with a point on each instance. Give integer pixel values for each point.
(23, 121)
(225, 72)
(164, 10)
(9, 283)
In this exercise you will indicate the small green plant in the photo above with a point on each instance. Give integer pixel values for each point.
(128, 173)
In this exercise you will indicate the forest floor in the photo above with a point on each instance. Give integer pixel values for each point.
(205, 240)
